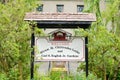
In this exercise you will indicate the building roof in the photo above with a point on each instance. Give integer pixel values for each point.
(38, 16)
(61, 20)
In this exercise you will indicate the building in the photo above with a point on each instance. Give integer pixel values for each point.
(65, 6)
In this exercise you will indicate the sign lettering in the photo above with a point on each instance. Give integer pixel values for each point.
(73, 50)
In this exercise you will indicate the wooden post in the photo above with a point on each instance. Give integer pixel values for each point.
(32, 54)
(86, 55)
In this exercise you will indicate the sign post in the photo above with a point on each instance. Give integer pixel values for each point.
(32, 54)
(86, 55)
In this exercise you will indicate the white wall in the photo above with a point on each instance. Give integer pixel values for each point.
(69, 5)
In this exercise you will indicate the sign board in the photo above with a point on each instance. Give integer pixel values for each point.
(48, 50)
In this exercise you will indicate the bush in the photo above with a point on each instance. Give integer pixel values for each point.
(3, 77)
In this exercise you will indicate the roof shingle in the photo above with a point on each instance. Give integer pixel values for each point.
(38, 16)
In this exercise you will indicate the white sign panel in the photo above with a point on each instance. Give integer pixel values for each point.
(46, 50)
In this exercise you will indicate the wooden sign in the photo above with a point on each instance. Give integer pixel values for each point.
(55, 50)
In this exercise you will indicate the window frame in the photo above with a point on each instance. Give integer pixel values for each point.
(60, 6)
(40, 6)
(80, 6)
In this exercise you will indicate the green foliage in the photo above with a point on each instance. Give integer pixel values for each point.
(15, 36)
(58, 75)
(3, 76)
(118, 75)
(39, 32)
(82, 76)
(61, 76)
(104, 45)
(104, 50)
(108, 15)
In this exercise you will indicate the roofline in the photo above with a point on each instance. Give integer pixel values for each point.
(93, 18)
(57, 20)
(48, 20)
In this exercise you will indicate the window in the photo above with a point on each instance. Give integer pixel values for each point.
(80, 8)
(40, 8)
(60, 8)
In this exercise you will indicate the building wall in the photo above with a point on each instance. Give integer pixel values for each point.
(69, 5)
